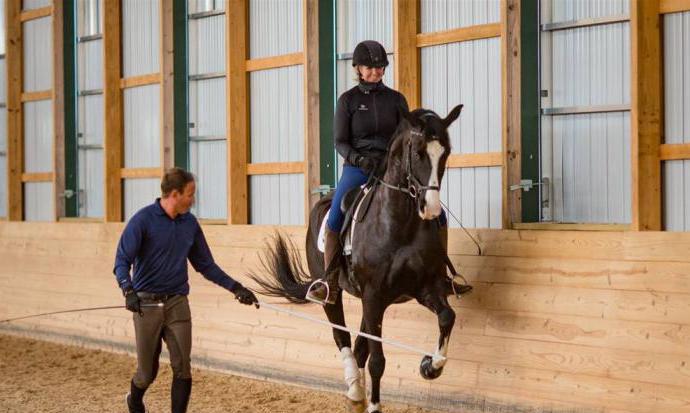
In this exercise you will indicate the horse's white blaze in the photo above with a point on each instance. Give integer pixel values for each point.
(439, 359)
(432, 209)
(355, 388)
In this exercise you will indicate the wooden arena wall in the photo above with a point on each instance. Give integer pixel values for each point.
(561, 321)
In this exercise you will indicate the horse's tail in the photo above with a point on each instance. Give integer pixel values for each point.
(284, 273)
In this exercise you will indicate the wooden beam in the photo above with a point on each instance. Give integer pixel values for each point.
(511, 130)
(312, 156)
(141, 80)
(275, 62)
(58, 95)
(113, 121)
(39, 95)
(236, 46)
(273, 168)
(672, 152)
(406, 17)
(646, 116)
(167, 103)
(34, 14)
(38, 177)
(141, 173)
(15, 124)
(673, 6)
(463, 34)
(473, 160)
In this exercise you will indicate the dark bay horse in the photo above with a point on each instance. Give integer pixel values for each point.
(397, 254)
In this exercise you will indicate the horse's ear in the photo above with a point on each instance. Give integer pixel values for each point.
(406, 117)
(452, 115)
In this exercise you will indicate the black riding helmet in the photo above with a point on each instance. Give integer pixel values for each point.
(370, 53)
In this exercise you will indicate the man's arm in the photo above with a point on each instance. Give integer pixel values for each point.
(127, 250)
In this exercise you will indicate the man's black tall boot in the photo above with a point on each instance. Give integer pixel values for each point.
(179, 394)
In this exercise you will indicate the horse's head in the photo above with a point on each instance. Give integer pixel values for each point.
(420, 152)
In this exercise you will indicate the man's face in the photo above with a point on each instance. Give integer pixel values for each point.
(184, 200)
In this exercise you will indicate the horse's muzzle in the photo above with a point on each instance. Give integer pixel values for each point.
(430, 208)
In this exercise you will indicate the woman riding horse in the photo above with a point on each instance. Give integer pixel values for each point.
(365, 119)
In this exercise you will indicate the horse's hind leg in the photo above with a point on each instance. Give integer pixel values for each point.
(335, 315)
(432, 367)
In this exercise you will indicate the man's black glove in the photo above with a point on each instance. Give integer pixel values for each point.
(366, 163)
(132, 301)
(243, 295)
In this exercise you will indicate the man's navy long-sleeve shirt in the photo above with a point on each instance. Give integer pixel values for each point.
(158, 247)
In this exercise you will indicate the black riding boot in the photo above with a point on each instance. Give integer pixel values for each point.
(179, 394)
(135, 399)
(331, 258)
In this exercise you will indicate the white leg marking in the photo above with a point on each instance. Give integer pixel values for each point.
(373, 407)
(355, 391)
(439, 359)
(433, 201)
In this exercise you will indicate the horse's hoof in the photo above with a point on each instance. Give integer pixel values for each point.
(356, 406)
(427, 370)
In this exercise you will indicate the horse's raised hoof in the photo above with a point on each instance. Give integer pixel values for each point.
(356, 406)
(427, 370)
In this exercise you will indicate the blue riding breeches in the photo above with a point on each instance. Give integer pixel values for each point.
(352, 177)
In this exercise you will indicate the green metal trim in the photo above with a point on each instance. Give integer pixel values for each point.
(180, 84)
(529, 106)
(69, 33)
(327, 88)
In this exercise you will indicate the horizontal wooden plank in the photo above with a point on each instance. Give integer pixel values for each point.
(482, 31)
(33, 14)
(473, 160)
(273, 168)
(673, 6)
(547, 226)
(142, 80)
(38, 177)
(38, 95)
(275, 62)
(140, 173)
(679, 151)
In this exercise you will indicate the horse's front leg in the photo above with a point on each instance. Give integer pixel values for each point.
(432, 367)
(373, 310)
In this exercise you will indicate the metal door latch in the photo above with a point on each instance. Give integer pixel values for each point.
(526, 185)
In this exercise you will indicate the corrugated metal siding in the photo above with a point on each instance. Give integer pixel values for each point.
(275, 27)
(677, 119)
(469, 73)
(198, 6)
(142, 126)
(438, 15)
(35, 4)
(90, 158)
(587, 157)
(208, 162)
(89, 17)
(38, 201)
(38, 54)
(38, 136)
(277, 115)
(90, 65)
(3, 28)
(140, 193)
(208, 159)
(562, 11)
(140, 37)
(277, 199)
(359, 20)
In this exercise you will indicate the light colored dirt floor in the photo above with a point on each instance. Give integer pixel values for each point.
(41, 377)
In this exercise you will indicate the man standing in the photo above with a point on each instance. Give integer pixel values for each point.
(157, 241)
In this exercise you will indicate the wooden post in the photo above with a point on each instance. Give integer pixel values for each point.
(312, 178)
(167, 86)
(58, 110)
(112, 98)
(15, 123)
(406, 17)
(510, 103)
(646, 117)
(237, 39)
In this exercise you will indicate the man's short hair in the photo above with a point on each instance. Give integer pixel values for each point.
(175, 178)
